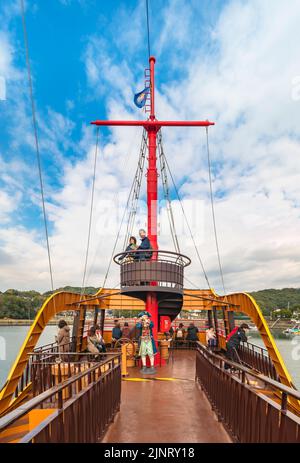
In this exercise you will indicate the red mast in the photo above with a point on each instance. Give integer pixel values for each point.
(152, 125)
(151, 301)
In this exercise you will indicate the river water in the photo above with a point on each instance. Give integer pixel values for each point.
(12, 337)
(289, 348)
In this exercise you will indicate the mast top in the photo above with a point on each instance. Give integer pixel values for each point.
(152, 124)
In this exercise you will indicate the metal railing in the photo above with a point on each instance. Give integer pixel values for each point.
(245, 409)
(83, 406)
(143, 267)
(185, 344)
(47, 349)
(258, 358)
(50, 369)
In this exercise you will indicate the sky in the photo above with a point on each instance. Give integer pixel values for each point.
(234, 62)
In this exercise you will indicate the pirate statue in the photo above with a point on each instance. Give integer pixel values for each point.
(146, 341)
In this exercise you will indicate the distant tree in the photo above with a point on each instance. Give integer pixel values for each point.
(21, 304)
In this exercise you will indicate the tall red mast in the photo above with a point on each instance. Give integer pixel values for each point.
(151, 301)
(152, 125)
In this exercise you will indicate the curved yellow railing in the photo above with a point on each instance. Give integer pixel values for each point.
(54, 304)
(57, 302)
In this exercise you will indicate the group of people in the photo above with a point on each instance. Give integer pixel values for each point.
(96, 343)
(233, 341)
(125, 332)
(143, 250)
(182, 334)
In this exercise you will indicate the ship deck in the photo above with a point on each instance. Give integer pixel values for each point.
(166, 408)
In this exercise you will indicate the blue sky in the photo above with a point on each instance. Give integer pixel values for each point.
(234, 61)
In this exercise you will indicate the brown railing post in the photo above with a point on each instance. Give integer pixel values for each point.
(284, 402)
(248, 416)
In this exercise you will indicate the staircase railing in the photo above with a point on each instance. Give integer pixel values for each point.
(257, 357)
(85, 405)
(247, 411)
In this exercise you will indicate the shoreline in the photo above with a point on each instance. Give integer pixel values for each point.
(281, 325)
(25, 322)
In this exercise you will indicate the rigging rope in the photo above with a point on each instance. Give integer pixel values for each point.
(136, 189)
(91, 214)
(165, 184)
(188, 225)
(132, 190)
(148, 28)
(34, 121)
(122, 168)
(213, 211)
(191, 282)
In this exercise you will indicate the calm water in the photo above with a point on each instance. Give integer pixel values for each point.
(289, 347)
(15, 335)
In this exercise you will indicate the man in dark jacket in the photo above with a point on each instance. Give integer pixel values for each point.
(126, 330)
(144, 246)
(233, 340)
(192, 333)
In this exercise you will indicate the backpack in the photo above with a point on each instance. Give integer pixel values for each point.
(232, 333)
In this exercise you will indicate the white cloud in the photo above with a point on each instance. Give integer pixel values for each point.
(8, 204)
(250, 80)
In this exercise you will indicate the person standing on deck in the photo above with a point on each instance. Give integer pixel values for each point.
(116, 332)
(211, 339)
(63, 336)
(233, 340)
(126, 330)
(171, 331)
(192, 333)
(134, 333)
(180, 332)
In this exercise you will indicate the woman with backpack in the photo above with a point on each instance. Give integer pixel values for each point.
(180, 333)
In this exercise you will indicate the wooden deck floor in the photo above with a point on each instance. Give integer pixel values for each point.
(172, 409)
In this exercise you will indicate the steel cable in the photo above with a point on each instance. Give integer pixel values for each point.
(213, 211)
(91, 213)
(187, 222)
(34, 121)
(148, 28)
